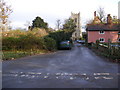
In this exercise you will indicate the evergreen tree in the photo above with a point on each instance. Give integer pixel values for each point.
(39, 23)
(69, 25)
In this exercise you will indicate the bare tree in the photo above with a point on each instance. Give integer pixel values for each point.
(101, 13)
(27, 24)
(5, 11)
(58, 23)
(90, 21)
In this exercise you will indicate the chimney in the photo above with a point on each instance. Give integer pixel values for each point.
(109, 19)
(94, 14)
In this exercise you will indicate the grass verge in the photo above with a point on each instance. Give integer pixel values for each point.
(11, 55)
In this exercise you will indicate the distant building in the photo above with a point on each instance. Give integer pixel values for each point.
(119, 10)
(103, 32)
(78, 33)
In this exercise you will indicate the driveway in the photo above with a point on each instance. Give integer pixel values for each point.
(76, 68)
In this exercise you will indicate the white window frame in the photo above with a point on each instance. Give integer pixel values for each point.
(102, 38)
(101, 33)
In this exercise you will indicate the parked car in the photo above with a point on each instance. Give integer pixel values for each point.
(65, 44)
(113, 45)
(81, 41)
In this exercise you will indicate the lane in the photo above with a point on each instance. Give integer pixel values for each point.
(76, 68)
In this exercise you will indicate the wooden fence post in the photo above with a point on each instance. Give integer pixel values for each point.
(109, 47)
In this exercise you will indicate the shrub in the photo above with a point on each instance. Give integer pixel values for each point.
(26, 42)
(31, 42)
(38, 32)
(13, 33)
(23, 42)
(9, 43)
(49, 44)
(35, 39)
(60, 35)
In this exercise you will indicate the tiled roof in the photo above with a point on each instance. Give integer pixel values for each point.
(106, 27)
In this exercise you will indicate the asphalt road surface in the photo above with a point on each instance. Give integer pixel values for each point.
(76, 68)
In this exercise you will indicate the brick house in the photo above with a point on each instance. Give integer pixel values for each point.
(103, 32)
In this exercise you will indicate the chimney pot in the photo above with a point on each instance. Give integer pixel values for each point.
(109, 19)
(95, 14)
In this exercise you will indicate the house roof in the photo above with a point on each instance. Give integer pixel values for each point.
(105, 27)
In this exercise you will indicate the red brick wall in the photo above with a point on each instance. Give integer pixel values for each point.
(95, 35)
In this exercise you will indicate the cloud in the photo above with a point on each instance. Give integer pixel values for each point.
(18, 24)
(51, 10)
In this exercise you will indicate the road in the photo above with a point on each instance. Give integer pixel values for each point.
(76, 68)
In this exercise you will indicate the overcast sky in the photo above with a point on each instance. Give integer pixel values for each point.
(51, 10)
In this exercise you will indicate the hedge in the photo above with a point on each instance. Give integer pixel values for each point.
(28, 42)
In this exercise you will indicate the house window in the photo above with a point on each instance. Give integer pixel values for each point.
(102, 40)
(102, 32)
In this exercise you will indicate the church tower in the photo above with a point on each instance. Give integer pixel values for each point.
(78, 33)
(119, 10)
